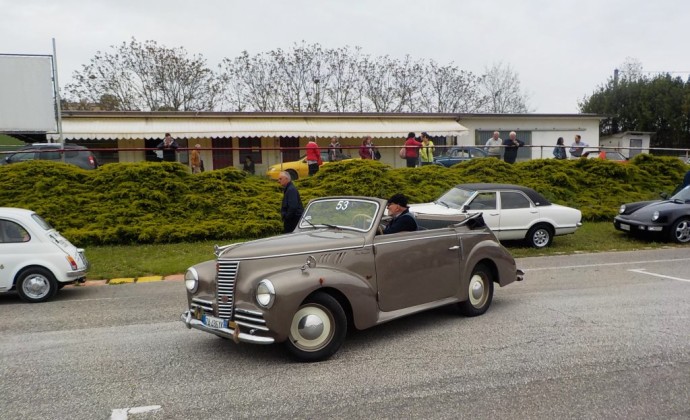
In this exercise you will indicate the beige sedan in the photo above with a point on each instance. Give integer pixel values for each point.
(338, 270)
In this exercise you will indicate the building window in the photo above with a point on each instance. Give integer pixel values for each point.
(250, 146)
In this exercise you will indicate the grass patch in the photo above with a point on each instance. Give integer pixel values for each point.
(164, 259)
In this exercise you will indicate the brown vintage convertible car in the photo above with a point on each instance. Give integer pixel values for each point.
(338, 270)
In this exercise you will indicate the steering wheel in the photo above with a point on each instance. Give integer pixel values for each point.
(379, 230)
(362, 221)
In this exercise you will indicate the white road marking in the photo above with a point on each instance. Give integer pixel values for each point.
(122, 413)
(560, 267)
(644, 271)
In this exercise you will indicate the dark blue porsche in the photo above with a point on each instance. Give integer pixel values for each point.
(669, 218)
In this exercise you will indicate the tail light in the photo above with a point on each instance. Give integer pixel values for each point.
(92, 161)
(72, 263)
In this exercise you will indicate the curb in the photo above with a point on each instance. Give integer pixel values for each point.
(129, 280)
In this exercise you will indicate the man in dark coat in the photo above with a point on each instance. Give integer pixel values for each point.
(511, 147)
(402, 220)
(291, 210)
(169, 147)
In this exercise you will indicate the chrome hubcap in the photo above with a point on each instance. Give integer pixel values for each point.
(36, 286)
(311, 328)
(683, 231)
(541, 238)
(477, 290)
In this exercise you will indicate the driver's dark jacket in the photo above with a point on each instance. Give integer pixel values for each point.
(403, 222)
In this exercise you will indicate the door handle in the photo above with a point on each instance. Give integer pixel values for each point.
(493, 214)
(454, 248)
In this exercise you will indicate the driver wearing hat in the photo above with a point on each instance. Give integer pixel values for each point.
(402, 220)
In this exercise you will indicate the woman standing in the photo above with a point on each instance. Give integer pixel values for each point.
(412, 146)
(559, 150)
(426, 153)
(366, 150)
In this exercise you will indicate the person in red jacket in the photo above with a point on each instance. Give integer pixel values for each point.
(313, 156)
(366, 150)
(412, 146)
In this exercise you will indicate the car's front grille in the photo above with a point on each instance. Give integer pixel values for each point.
(250, 319)
(227, 275)
(201, 307)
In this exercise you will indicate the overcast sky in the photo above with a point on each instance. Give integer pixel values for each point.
(561, 50)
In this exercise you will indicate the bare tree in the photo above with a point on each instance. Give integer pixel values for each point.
(448, 89)
(501, 85)
(345, 81)
(146, 76)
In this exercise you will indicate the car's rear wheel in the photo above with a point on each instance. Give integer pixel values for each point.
(680, 231)
(293, 174)
(317, 329)
(36, 284)
(481, 292)
(539, 236)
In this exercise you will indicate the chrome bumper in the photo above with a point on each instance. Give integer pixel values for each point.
(229, 333)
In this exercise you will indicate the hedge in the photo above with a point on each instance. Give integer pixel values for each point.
(128, 203)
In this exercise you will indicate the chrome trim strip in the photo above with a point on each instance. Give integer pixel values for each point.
(249, 319)
(311, 251)
(202, 301)
(416, 238)
(253, 326)
(223, 332)
(248, 312)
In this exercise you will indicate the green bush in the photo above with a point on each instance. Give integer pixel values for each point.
(128, 203)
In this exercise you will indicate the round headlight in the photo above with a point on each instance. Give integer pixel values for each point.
(191, 280)
(265, 293)
(622, 209)
(655, 216)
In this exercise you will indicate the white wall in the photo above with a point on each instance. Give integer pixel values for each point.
(545, 130)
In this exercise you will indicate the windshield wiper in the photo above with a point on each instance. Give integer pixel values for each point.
(442, 203)
(321, 224)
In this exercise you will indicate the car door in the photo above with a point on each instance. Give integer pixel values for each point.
(13, 249)
(486, 202)
(517, 214)
(413, 268)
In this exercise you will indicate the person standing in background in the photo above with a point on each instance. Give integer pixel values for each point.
(493, 146)
(313, 156)
(291, 208)
(577, 147)
(426, 153)
(559, 150)
(248, 165)
(366, 149)
(169, 147)
(511, 145)
(335, 153)
(412, 146)
(195, 159)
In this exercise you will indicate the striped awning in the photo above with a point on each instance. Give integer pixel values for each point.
(146, 126)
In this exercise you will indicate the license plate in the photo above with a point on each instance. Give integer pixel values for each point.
(625, 227)
(213, 322)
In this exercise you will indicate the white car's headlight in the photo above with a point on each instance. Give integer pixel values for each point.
(265, 294)
(191, 280)
(655, 216)
(622, 209)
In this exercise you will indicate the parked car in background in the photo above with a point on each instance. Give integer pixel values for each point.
(337, 270)
(74, 154)
(35, 260)
(605, 154)
(299, 168)
(513, 212)
(668, 218)
(459, 154)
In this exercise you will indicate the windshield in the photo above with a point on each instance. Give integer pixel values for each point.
(683, 195)
(342, 213)
(455, 198)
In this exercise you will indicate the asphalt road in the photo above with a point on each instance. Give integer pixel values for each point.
(584, 336)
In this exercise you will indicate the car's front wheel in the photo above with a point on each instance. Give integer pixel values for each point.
(36, 284)
(317, 329)
(481, 292)
(680, 231)
(539, 236)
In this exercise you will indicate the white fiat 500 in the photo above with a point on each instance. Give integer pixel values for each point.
(34, 258)
(513, 212)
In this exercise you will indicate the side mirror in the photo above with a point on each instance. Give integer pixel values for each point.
(465, 207)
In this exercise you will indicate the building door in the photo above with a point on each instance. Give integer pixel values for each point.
(222, 152)
(289, 147)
